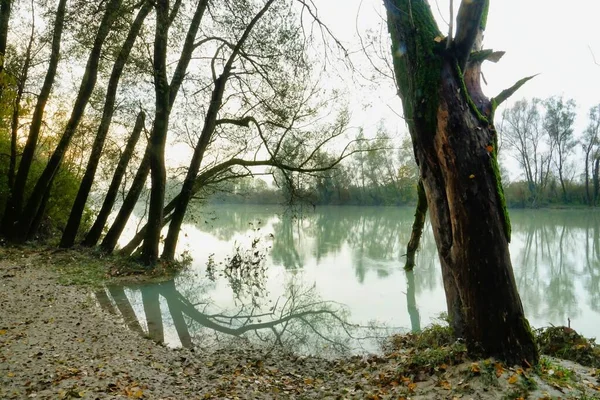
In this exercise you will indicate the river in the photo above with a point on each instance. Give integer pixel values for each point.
(331, 281)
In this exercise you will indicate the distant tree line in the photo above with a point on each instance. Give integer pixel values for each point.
(558, 167)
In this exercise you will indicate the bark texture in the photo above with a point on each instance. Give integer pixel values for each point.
(454, 145)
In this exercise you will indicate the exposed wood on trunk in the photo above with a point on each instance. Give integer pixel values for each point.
(417, 228)
(455, 148)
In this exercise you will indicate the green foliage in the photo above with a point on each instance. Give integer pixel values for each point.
(566, 343)
(66, 184)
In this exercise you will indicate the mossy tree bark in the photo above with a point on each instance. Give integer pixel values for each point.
(455, 146)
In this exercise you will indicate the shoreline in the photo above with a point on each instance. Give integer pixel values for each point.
(56, 342)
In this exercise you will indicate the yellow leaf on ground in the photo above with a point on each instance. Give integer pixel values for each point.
(446, 385)
(475, 368)
(3, 331)
(412, 386)
(513, 379)
(10, 374)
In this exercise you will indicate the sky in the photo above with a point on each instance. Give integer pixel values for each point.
(556, 39)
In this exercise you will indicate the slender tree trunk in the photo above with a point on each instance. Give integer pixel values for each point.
(417, 228)
(588, 197)
(111, 195)
(596, 180)
(68, 237)
(112, 236)
(5, 9)
(23, 229)
(17, 109)
(455, 147)
(158, 138)
(210, 122)
(124, 306)
(411, 302)
(15, 200)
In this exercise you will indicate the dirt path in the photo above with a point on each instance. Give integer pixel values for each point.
(55, 342)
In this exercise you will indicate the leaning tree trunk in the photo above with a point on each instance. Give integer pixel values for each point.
(207, 131)
(15, 200)
(113, 190)
(23, 229)
(455, 147)
(68, 237)
(114, 233)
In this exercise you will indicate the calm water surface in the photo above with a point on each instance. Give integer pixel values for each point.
(332, 281)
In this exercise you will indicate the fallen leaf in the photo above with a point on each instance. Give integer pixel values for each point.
(475, 368)
(512, 379)
(471, 176)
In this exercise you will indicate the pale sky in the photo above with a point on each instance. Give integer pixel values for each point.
(550, 37)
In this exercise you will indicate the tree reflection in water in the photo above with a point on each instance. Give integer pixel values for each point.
(556, 258)
(299, 321)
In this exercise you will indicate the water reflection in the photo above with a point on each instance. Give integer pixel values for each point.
(298, 321)
(341, 266)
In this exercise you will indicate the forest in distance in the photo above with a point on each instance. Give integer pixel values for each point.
(556, 166)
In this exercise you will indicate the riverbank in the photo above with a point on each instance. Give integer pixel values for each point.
(55, 342)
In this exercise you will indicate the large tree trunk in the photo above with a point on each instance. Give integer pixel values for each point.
(68, 237)
(15, 200)
(113, 190)
(455, 147)
(23, 228)
(158, 174)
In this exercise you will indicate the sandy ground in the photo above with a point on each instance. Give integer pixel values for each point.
(56, 343)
